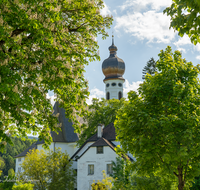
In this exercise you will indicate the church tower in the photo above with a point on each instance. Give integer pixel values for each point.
(113, 68)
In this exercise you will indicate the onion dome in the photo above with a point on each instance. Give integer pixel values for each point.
(113, 67)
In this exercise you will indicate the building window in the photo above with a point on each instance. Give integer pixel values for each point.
(19, 159)
(90, 169)
(99, 149)
(107, 85)
(113, 84)
(108, 96)
(19, 169)
(119, 95)
(120, 84)
(109, 169)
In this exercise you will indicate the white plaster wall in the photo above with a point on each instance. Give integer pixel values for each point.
(100, 162)
(18, 164)
(114, 90)
(70, 148)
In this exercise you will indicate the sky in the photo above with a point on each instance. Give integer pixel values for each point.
(141, 31)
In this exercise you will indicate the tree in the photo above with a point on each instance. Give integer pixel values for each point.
(100, 111)
(150, 68)
(20, 186)
(196, 184)
(10, 151)
(52, 170)
(185, 18)
(121, 174)
(160, 126)
(126, 178)
(44, 46)
(105, 184)
(8, 181)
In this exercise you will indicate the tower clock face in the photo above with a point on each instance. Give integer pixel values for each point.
(107, 85)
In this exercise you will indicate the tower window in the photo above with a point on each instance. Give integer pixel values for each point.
(107, 85)
(120, 84)
(108, 96)
(113, 84)
(119, 95)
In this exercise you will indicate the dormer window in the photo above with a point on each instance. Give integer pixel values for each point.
(99, 149)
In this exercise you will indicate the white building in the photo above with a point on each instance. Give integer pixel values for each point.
(98, 152)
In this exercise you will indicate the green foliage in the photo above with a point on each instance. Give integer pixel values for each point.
(121, 174)
(126, 178)
(8, 182)
(44, 46)
(105, 184)
(160, 126)
(10, 151)
(150, 68)
(52, 170)
(25, 186)
(100, 111)
(185, 18)
(196, 184)
(11, 172)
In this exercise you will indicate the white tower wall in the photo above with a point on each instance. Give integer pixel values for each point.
(112, 89)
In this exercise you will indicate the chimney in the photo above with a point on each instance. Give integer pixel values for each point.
(100, 130)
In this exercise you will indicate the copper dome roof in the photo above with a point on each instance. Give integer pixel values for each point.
(113, 67)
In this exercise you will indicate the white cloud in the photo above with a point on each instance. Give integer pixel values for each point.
(185, 40)
(139, 5)
(128, 87)
(105, 11)
(151, 25)
(198, 57)
(197, 47)
(95, 93)
(182, 50)
(51, 98)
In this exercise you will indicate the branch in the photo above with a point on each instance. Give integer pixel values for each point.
(175, 174)
(75, 29)
(186, 170)
(161, 158)
(17, 32)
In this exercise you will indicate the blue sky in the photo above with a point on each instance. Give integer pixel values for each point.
(141, 30)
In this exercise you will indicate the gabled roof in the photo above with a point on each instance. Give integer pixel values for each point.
(103, 142)
(100, 142)
(67, 130)
(27, 150)
(108, 136)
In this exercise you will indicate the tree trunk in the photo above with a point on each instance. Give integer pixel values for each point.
(181, 182)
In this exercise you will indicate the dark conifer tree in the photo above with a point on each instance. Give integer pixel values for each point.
(149, 68)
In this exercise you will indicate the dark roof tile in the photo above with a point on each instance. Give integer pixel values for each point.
(108, 133)
(34, 145)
